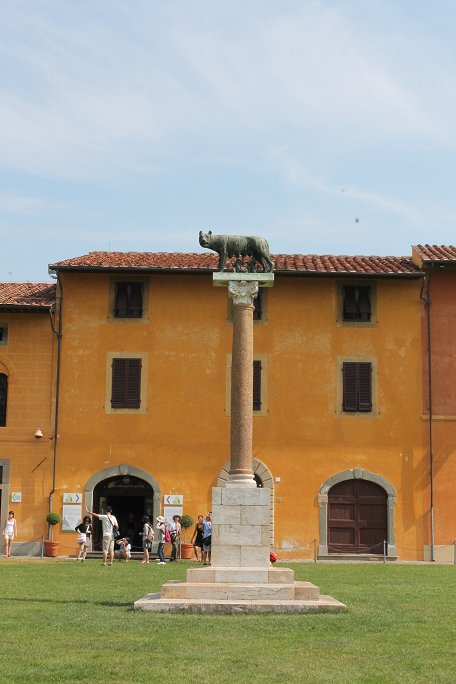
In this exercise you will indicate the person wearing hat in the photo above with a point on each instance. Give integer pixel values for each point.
(161, 528)
(175, 531)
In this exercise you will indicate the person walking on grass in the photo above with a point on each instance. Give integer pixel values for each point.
(9, 533)
(161, 527)
(110, 526)
(85, 531)
(147, 538)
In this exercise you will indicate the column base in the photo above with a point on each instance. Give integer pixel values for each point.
(241, 480)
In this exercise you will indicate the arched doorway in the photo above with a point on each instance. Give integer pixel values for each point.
(352, 515)
(131, 492)
(357, 519)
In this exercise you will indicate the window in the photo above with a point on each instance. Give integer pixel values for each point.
(3, 334)
(257, 385)
(357, 387)
(3, 398)
(357, 304)
(126, 383)
(128, 300)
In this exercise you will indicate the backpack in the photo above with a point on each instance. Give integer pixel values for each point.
(150, 534)
(167, 535)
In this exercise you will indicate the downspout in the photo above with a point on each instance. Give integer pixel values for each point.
(427, 300)
(58, 334)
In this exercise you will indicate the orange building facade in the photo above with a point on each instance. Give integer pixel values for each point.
(143, 398)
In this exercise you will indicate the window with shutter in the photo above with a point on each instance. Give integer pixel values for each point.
(3, 333)
(257, 385)
(126, 383)
(356, 303)
(357, 387)
(258, 304)
(3, 398)
(128, 301)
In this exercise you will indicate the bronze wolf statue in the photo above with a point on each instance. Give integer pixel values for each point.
(238, 246)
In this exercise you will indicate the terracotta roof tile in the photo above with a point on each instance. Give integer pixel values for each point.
(207, 262)
(33, 295)
(435, 252)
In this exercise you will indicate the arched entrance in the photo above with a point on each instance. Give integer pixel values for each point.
(356, 512)
(356, 517)
(131, 492)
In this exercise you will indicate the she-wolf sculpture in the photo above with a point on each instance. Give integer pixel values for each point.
(227, 246)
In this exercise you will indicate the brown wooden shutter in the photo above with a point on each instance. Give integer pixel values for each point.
(128, 300)
(357, 386)
(257, 385)
(126, 383)
(364, 386)
(349, 383)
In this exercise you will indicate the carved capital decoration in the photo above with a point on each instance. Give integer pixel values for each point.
(243, 292)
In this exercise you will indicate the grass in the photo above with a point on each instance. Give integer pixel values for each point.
(63, 622)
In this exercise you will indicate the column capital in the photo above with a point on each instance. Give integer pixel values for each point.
(242, 292)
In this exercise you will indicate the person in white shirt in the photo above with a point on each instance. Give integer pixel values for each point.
(9, 533)
(175, 531)
(110, 526)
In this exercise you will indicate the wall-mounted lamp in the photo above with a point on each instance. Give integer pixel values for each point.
(39, 434)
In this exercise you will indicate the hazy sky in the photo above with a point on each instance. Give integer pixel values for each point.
(324, 126)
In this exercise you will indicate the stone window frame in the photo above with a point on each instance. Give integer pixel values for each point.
(265, 475)
(264, 411)
(143, 409)
(145, 280)
(356, 282)
(356, 474)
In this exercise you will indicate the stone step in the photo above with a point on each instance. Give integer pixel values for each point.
(356, 557)
(265, 575)
(154, 603)
(176, 589)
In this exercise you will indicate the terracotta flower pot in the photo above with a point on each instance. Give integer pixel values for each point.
(51, 548)
(186, 551)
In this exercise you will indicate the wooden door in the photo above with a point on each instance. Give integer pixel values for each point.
(357, 517)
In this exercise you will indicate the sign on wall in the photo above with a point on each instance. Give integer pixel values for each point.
(173, 500)
(71, 517)
(72, 498)
(16, 497)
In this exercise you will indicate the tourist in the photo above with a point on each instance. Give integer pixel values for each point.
(147, 538)
(198, 537)
(85, 532)
(207, 539)
(9, 533)
(124, 551)
(110, 528)
(161, 527)
(175, 531)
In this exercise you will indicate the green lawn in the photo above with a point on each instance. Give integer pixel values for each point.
(63, 622)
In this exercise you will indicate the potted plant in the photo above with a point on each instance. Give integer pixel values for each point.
(51, 548)
(186, 549)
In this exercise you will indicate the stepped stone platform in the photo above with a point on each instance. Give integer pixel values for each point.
(238, 590)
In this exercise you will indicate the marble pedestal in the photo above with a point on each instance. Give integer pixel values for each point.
(240, 578)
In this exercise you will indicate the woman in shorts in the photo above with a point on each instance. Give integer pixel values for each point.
(84, 530)
(9, 533)
(147, 536)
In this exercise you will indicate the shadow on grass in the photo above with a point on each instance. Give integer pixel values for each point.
(113, 604)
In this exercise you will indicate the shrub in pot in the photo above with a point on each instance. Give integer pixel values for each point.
(186, 549)
(51, 548)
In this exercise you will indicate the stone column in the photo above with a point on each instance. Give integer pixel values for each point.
(242, 294)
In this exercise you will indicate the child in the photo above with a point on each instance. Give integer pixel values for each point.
(9, 533)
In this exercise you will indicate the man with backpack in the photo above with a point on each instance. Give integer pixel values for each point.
(175, 533)
(110, 532)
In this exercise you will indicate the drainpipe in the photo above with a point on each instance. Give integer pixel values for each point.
(58, 334)
(427, 300)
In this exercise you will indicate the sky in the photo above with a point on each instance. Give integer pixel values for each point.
(325, 126)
